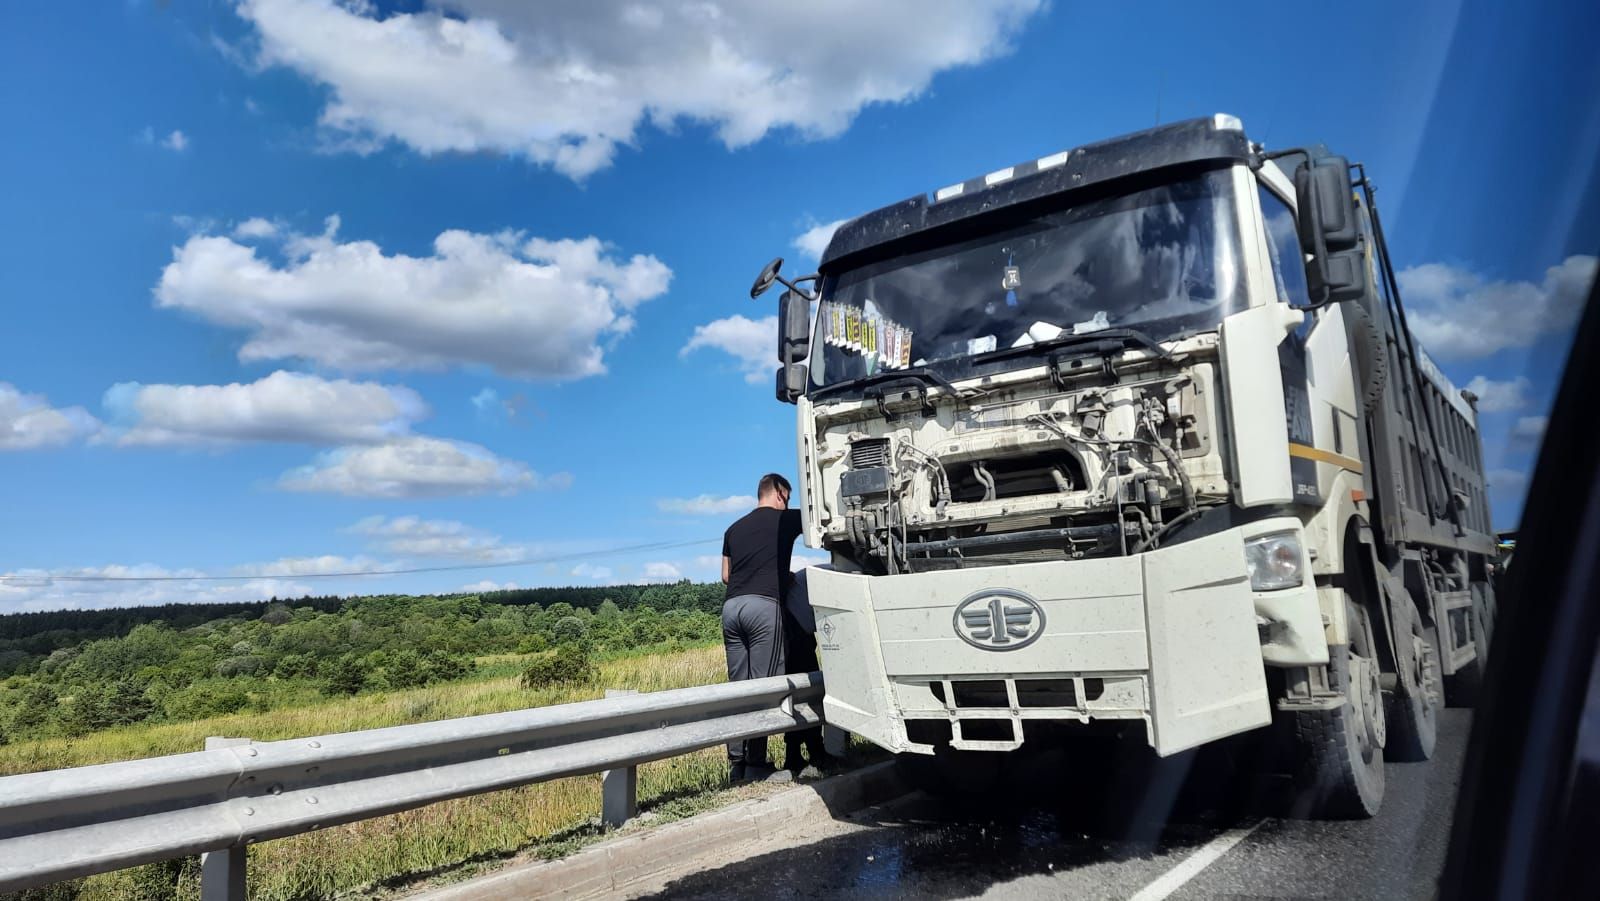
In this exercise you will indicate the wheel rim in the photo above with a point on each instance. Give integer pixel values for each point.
(1366, 696)
(1424, 670)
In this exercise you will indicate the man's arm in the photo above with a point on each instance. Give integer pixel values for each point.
(727, 568)
(791, 526)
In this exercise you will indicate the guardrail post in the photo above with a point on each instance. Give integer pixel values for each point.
(222, 872)
(619, 788)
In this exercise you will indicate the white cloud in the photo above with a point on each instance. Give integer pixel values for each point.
(25, 590)
(1500, 397)
(1529, 430)
(800, 560)
(175, 140)
(487, 401)
(489, 585)
(193, 225)
(813, 241)
(255, 227)
(753, 343)
(592, 572)
(1458, 315)
(528, 307)
(416, 466)
(413, 536)
(27, 421)
(324, 565)
(565, 84)
(285, 407)
(661, 572)
(707, 504)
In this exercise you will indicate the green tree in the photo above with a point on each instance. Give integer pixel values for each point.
(646, 628)
(437, 666)
(569, 629)
(345, 676)
(294, 666)
(206, 698)
(570, 664)
(127, 703)
(37, 705)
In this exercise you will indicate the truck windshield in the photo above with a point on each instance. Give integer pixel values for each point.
(1163, 260)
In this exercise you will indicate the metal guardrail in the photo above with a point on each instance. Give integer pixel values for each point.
(63, 824)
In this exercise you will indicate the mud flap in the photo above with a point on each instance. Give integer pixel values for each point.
(1207, 680)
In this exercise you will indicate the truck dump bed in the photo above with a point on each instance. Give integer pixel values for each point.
(1428, 485)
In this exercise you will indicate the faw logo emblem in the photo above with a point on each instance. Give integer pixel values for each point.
(999, 619)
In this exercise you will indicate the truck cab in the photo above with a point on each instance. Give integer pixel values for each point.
(1087, 440)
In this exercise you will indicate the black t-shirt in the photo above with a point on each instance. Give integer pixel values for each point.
(758, 547)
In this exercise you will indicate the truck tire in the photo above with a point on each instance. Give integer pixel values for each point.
(1413, 727)
(1340, 751)
(1368, 356)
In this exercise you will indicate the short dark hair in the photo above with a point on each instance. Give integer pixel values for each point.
(773, 482)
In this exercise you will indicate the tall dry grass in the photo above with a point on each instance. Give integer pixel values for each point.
(351, 859)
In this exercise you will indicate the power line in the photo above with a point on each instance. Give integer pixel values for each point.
(457, 567)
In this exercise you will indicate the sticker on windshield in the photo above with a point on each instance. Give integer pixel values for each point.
(883, 342)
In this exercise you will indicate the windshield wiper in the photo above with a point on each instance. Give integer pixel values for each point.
(889, 375)
(1101, 342)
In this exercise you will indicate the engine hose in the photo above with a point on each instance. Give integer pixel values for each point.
(1172, 523)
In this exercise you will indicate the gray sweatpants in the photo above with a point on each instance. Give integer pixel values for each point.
(752, 637)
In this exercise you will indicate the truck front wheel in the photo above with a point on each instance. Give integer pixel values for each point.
(1340, 767)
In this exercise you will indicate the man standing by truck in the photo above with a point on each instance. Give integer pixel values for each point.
(755, 566)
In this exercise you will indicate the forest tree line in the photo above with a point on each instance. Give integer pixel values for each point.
(69, 673)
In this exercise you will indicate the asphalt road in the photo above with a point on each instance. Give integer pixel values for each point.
(1186, 828)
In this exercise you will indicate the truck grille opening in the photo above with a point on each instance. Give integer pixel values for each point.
(869, 452)
(987, 730)
(928, 732)
(981, 694)
(1030, 692)
(1015, 477)
(974, 693)
(1046, 693)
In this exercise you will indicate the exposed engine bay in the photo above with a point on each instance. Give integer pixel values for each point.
(1088, 457)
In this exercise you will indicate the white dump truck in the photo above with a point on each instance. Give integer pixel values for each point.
(1134, 435)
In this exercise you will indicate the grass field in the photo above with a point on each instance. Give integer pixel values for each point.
(361, 857)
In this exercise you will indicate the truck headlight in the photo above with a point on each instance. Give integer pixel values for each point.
(1274, 561)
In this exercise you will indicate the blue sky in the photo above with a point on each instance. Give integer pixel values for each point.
(296, 287)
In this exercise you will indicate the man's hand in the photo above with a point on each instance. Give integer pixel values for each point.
(727, 568)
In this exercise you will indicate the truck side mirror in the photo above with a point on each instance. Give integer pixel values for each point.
(794, 328)
(1330, 231)
(791, 382)
(766, 278)
(794, 344)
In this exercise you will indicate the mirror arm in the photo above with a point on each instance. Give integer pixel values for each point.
(795, 286)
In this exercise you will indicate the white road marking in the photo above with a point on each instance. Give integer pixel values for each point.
(1190, 867)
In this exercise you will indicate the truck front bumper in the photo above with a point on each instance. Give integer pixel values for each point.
(1171, 638)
